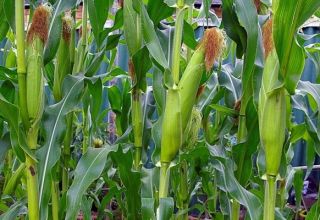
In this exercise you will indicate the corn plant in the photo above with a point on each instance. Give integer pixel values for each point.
(197, 118)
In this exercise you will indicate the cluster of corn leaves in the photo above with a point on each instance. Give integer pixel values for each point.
(221, 168)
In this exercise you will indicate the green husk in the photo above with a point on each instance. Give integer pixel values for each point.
(35, 80)
(272, 114)
(63, 62)
(171, 127)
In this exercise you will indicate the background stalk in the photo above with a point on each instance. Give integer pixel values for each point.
(241, 136)
(55, 200)
(136, 97)
(84, 41)
(269, 198)
(137, 126)
(32, 178)
(164, 180)
(21, 61)
(66, 153)
(177, 45)
(183, 193)
(190, 11)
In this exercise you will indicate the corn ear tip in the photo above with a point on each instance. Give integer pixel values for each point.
(267, 37)
(257, 4)
(214, 44)
(40, 23)
(67, 23)
(120, 2)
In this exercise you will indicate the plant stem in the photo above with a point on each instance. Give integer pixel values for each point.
(164, 180)
(66, 153)
(32, 188)
(85, 130)
(21, 61)
(183, 194)
(241, 136)
(180, 3)
(177, 45)
(215, 192)
(55, 200)
(137, 126)
(137, 158)
(269, 198)
(190, 11)
(235, 213)
(32, 177)
(84, 40)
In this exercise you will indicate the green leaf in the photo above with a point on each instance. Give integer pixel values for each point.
(158, 11)
(142, 63)
(130, 27)
(298, 187)
(290, 53)
(112, 41)
(6, 73)
(299, 102)
(8, 90)
(55, 125)
(243, 152)
(95, 63)
(223, 109)
(4, 26)
(95, 90)
(115, 99)
(314, 212)
(158, 90)
(306, 87)
(98, 13)
(14, 210)
(227, 182)
(148, 208)
(151, 39)
(232, 26)
(9, 11)
(89, 168)
(166, 206)
(11, 114)
(55, 28)
(131, 181)
(188, 36)
(248, 18)
(5, 146)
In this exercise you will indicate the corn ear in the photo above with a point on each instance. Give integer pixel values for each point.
(189, 84)
(273, 125)
(35, 80)
(36, 38)
(63, 63)
(171, 127)
(272, 107)
(209, 50)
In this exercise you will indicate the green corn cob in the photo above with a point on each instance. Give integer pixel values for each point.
(36, 38)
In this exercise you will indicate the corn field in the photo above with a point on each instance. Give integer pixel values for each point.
(198, 124)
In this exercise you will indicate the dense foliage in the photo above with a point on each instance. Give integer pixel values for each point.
(198, 126)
